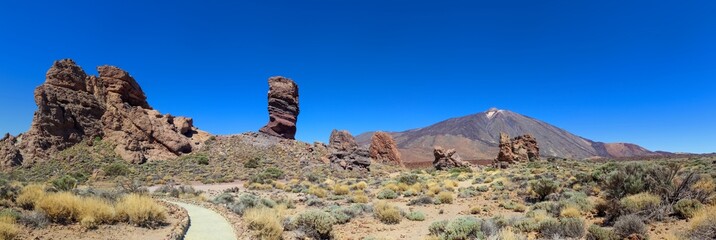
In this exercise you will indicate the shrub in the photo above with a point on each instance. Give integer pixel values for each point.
(268, 175)
(386, 212)
(362, 185)
(460, 228)
(116, 169)
(315, 224)
(599, 233)
(29, 195)
(572, 227)
(94, 211)
(266, 221)
(686, 208)
(63, 207)
(423, 200)
(359, 197)
(629, 224)
(550, 228)
(8, 230)
(201, 159)
(467, 192)
(570, 212)
(408, 179)
(703, 224)
(340, 189)
(317, 191)
(387, 193)
(141, 211)
(445, 197)
(544, 187)
(640, 202)
(34, 219)
(252, 163)
(415, 216)
(65, 183)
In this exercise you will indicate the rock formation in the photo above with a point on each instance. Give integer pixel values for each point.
(282, 107)
(345, 153)
(520, 148)
(384, 149)
(9, 152)
(73, 107)
(446, 159)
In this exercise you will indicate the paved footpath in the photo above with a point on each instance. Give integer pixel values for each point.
(206, 224)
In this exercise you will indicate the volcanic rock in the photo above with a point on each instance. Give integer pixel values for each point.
(446, 159)
(74, 107)
(10, 155)
(521, 148)
(345, 153)
(282, 107)
(384, 149)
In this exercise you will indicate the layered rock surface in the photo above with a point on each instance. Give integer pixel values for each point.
(384, 149)
(447, 158)
(73, 107)
(282, 107)
(345, 153)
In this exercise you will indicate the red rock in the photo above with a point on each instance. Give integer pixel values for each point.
(282, 107)
(447, 158)
(384, 149)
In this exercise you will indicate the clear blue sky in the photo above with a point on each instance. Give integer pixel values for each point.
(613, 71)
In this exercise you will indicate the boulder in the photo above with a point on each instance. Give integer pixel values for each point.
(74, 107)
(384, 149)
(447, 158)
(345, 152)
(9, 152)
(282, 107)
(520, 148)
(342, 140)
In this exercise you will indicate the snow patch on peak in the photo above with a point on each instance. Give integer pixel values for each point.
(491, 112)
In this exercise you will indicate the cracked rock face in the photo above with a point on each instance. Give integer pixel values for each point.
(345, 153)
(447, 158)
(73, 107)
(520, 148)
(282, 107)
(384, 149)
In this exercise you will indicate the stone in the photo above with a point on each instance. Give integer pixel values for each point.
(10, 155)
(282, 107)
(74, 107)
(342, 140)
(447, 158)
(520, 148)
(384, 149)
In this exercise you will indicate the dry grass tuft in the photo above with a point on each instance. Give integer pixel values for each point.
(265, 221)
(340, 189)
(386, 212)
(62, 207)
(29, 195)
(141, 211)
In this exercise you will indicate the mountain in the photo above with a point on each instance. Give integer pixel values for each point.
(477, 137)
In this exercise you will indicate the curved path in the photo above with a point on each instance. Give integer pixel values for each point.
(206, 224)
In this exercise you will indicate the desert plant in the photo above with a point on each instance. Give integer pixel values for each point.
(65, 183)
(8, 230)
(94, 211)
(570, 212)
(62, 207)
(266, 222)
(358, 197)
(340, 189)
(29, 195)
(460, 228)
(595, 232)
(629, 224)
(703, 224)
(408, 179)
(543, 187)
(415, 216)
(386, 212)
(317, 191)
(34, 219)
(387, 193)
(315, 224)
(116, 169)
(572, 227)
(252, 163)
(686, 208)
(422, 200)
(141, 211)
(445, 197)
(642, 202)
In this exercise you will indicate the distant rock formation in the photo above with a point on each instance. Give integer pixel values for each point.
(9, 152)
(446, 159)
(73, 107)
(384, 149)
(520, 148)
(282, 107)
(345, 153)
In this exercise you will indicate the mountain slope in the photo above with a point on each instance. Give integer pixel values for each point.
(477, 137)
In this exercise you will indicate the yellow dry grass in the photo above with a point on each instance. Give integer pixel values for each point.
(265, 221)
(29, 195)
(140, 210)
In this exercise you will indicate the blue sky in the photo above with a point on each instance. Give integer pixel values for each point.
(613, 71)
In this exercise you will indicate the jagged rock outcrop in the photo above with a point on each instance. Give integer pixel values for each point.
(73, 107)
(10, 155)
(384, 149)
(282, 107)
(447, 158)
(345, 153)
(520, 148)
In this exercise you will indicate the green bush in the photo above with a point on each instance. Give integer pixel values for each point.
(268, 175)
(599, 233)
(387, 194)
(565, 227)
(116, 169)
(65, 183)
(252, 163)
(544, 187)
(315, 224)
(458, 229)
(629, 224)
(202, 159)
(415, 216)
(686, 208)
(409, 179)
